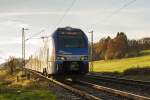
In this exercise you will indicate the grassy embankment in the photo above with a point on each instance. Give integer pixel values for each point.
(24, 89)
(120, 65)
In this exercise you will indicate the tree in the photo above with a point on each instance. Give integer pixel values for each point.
(117, 47)
(12, 65)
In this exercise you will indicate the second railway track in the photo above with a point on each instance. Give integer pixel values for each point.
(121, 80)
(135, 87)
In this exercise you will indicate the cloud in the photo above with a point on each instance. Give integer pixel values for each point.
(12, 29)
(25, 26)
(12, 23)
(15, 49)
(4, 15)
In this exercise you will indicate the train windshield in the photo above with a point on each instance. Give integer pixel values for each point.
(71, 40)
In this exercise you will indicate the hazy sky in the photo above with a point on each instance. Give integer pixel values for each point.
(102, 16)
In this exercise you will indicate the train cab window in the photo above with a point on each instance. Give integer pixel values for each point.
(68, 40)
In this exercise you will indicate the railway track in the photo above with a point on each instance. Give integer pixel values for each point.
(84, 90)
(121, 80)
(79, 94)
(123, 94)
(88, 87)
(135, 87)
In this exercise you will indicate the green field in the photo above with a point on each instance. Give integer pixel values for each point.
(120, 65)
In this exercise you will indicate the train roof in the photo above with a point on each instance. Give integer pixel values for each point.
(66, 29)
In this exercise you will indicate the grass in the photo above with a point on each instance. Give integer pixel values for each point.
(27, 95)
(120, 65)
(25, 89)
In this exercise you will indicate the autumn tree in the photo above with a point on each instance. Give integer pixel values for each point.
(117, 47)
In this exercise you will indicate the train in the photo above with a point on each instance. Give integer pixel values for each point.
(64, 54)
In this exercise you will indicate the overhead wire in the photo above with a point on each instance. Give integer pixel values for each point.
(69, 8)
(124, 6)
(115, 12)
(59, 22)
(34, 35)
(65, 13)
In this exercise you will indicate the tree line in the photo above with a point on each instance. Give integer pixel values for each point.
(119, 47)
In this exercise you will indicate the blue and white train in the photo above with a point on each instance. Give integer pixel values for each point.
(64, 54)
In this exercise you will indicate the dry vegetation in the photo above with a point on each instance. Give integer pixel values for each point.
(23, 89)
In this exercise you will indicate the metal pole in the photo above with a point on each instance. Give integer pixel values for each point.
(22, 48)
(91, 53)
(24, 51)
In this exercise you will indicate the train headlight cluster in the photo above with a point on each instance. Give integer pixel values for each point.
(60, 58)
(84, 58)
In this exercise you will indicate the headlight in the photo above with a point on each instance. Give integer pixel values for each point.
(84, 58)
(57, 58)
(60, 58)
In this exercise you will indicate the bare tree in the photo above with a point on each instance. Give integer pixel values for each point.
(12, 65)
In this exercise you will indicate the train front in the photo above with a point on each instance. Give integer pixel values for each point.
(71, 46)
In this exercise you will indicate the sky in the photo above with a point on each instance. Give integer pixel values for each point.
(104, 17)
